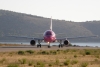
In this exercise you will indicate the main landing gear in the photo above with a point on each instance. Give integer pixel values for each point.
(60, 45)
(39, 45)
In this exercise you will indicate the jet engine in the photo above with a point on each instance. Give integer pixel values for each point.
(32, 42)
(66, 42)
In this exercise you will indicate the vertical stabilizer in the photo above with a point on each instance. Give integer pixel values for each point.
(51, 24)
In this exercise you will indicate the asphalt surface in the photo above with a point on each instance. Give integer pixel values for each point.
(17, 48)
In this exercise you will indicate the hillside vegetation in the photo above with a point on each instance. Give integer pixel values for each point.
(19, 24)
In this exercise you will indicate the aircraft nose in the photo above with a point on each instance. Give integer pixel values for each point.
(48, 39)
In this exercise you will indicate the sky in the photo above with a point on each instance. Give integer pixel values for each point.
(69, 10)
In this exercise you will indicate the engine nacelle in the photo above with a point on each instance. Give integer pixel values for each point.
(32, 42)
(66, 42)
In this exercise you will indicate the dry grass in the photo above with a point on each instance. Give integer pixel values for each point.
(51, 58)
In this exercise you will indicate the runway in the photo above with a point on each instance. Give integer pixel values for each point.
(18, 48)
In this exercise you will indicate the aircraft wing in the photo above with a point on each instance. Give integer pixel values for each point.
(25, 37)
(81, 37)
(76, 37)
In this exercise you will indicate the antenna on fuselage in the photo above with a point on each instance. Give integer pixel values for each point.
(51, 24)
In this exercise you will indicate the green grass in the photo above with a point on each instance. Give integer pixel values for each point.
(21, 52)
(3, 60)
(67, 62)
(57, 62)
(75, 56)
(84, 64)
(30, 63)
(13, 65)
(74, 62)
(22, 61)
(40, 64)
(30, 51)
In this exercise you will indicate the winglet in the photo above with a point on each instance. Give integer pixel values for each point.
(51, 24)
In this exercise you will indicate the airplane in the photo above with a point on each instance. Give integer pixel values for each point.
(49, 36)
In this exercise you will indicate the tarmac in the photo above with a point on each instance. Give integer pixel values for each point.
(24, 48)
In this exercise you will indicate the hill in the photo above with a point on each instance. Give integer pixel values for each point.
(19, 24)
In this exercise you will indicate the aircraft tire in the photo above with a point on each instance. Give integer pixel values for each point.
(49, 46)
(61, 45)
(37, 45)
(40, 45)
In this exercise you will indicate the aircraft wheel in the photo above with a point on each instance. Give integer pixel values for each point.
(49, 46)
(61, 45)
(40, 45)
(37, 45)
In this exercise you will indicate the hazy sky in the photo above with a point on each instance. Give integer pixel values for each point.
(74, 10)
